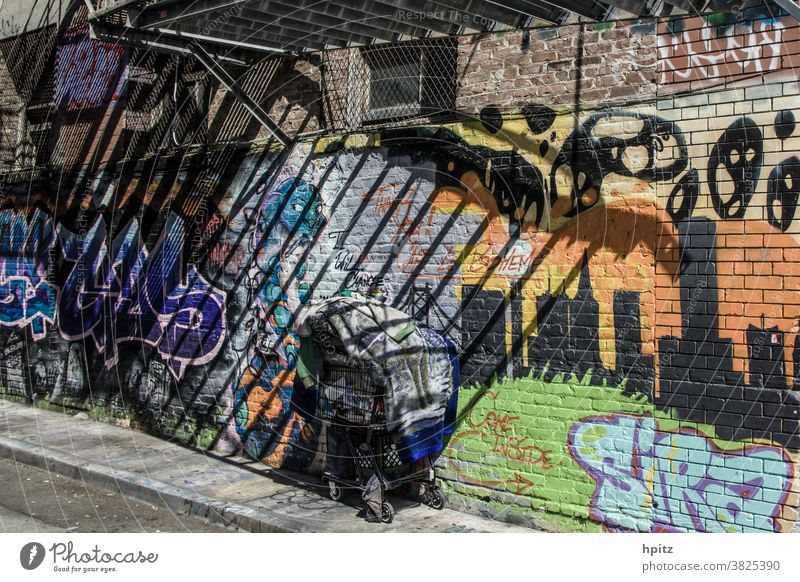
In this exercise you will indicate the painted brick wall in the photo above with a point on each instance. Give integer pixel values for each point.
(627, 330)
(585, 65)
(735, 220)
(726, 293)
(753, 47)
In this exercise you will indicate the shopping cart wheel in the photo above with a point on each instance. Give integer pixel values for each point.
(387, 512)
(436, 499)
(334, 491)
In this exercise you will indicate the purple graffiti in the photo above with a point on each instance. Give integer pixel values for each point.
(651, 480)
(121, 292)
(88, 73)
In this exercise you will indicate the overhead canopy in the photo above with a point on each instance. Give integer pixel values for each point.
(298, 26)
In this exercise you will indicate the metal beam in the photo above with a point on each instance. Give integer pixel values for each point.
(233, 88)
(180, 10)
(352, 32)
(269, 41)
(111, 8)
(306, 26)
(165, 38)
(378, 18)
(789, 6)
(330, 16)
(471, 13)
(593, 10)
(274, 38)
(447, 19)
(541, 11)
(327, 15)
(695, 7)
(407, 10)
(253, 25)
(644, 8)
(275, 29)
(116, 34)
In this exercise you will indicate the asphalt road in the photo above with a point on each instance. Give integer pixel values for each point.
(34, 500)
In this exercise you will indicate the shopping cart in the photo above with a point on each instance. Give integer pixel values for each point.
(353, 403)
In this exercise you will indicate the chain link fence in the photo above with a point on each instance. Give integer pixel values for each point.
(389, 84)
(168, 101)
(25, 79)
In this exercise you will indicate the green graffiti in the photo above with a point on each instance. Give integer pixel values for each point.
(509, 456)
(510, 440)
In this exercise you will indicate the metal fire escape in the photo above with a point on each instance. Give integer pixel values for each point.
(220, 33)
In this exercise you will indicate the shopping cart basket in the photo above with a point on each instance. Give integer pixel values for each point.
(352, 402)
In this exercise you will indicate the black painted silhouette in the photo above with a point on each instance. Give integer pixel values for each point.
(687, 190)
(566, 342)
(783, 191)
(697, 380)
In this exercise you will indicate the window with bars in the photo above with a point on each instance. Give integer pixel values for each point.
(395, 84)
(388, 83)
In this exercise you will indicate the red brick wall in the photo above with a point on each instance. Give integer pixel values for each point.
(590, 65)
(698, 53)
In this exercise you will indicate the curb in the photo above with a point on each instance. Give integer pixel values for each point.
(138, 486)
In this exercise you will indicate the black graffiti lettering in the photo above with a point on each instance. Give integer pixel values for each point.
(359, 280)
(687, 190)
(783, 191)
(740, 150)
(595, 150)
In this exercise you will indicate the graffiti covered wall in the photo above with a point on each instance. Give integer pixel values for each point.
(618, 277)
(758, 43)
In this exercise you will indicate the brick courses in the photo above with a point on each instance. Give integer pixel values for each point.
(649, 307)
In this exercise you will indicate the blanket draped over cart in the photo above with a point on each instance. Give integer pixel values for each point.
(417, 367)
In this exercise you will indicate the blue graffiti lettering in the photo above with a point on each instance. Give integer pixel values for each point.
(121, 292)
(26, 297)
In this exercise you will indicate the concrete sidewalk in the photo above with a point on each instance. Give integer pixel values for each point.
(234, 491)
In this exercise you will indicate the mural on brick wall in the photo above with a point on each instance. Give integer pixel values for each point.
(563, 285)
(119, 291)
(87, 74)
(713, 50)
(537, 261)
(273, 418)
(539, 265)
(698, 377)
(651, 480)
(729, 348)
(551, 291)
(27, 299)
(620, 283)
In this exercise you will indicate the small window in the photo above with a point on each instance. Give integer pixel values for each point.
(395, 83)
(388, 83)
(410, 79)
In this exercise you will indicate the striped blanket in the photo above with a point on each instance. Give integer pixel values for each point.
(417, 367)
